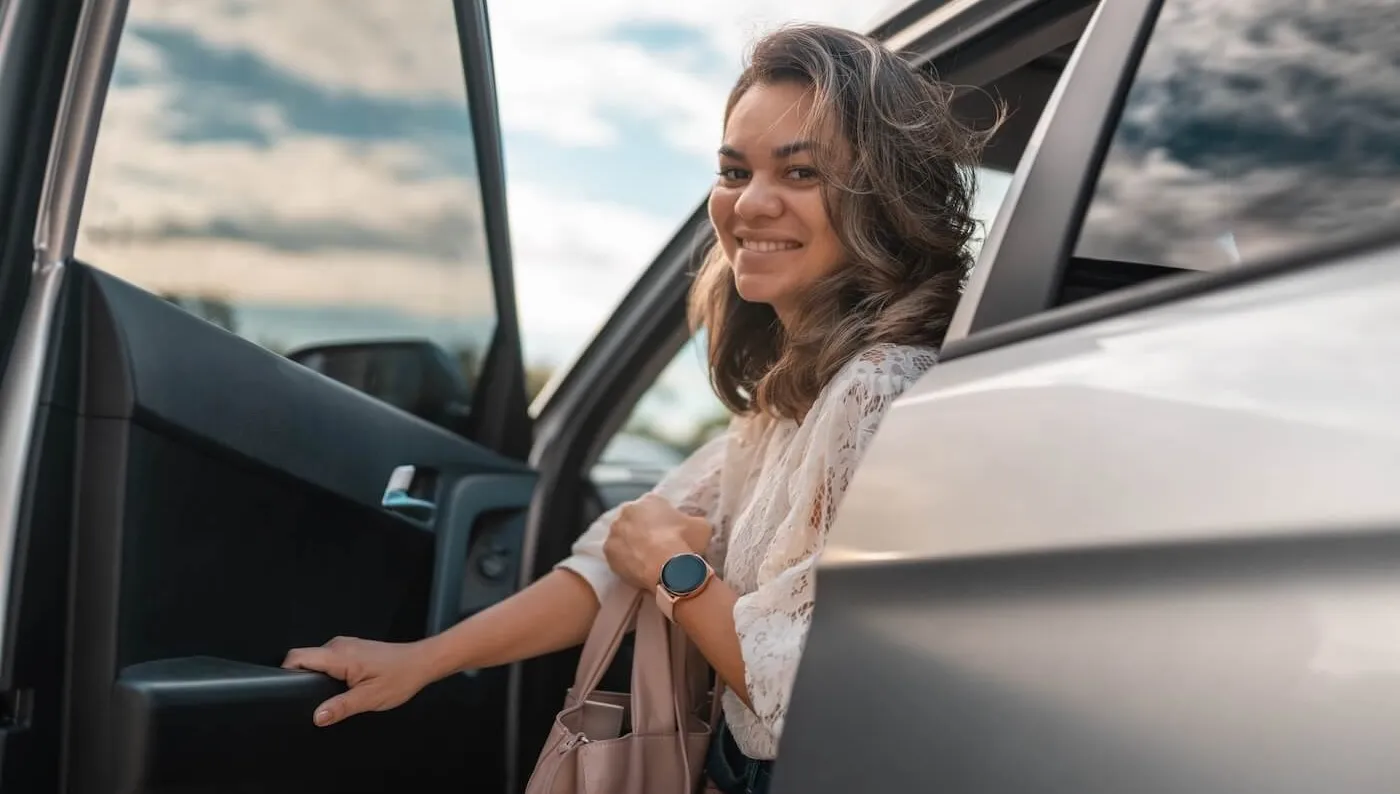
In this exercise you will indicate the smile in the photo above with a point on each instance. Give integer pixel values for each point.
(768, 246)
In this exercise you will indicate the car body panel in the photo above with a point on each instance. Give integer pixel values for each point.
(1162, 425)
(1156, 553)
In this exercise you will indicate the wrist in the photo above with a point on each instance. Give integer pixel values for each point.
(436, 657)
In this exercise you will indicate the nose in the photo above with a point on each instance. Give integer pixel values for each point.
(759, 199)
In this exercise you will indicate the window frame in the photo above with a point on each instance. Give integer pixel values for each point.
(1051, 188)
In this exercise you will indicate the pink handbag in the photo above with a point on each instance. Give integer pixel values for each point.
(651, 741)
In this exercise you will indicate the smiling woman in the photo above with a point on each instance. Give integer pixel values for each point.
(296, 172)
(842, 217)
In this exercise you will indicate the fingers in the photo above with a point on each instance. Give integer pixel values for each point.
(346, 704)
(317, 660)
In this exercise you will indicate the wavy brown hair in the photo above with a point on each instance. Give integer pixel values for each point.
(898, 186)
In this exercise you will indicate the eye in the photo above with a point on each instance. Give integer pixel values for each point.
(732, 174)
(802, 172)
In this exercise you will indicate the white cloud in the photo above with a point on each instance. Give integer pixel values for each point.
(577, 259)
(384, 47)
(563, 74)
(312, 219)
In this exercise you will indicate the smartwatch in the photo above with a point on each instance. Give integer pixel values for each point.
(683, 576)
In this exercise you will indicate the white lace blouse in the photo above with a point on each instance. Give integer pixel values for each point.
(770, 489)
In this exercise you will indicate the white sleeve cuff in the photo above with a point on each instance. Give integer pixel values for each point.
(594, 571)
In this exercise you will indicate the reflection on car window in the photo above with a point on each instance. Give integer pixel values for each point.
(1253, 128)
(297, 172)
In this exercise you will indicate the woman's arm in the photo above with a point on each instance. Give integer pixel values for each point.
(550, 615)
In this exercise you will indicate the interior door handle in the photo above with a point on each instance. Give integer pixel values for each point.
(396, 496)
(400, 502)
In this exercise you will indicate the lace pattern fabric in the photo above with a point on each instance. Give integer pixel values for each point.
(770, 488)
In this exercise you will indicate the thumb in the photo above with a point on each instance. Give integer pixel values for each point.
(346, 704)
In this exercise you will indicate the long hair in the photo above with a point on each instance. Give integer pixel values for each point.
(899, 195)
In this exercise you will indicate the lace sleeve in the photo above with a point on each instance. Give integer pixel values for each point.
(772, 621)
(693, 487)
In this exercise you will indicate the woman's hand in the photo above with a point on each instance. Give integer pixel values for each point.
(647, 533)
(381, 675)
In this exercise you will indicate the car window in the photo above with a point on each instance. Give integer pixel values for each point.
(1250, 129)
(675, 415)
(296, 172)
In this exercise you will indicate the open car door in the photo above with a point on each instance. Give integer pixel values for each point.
(180, 505)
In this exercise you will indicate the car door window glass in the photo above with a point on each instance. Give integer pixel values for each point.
(296, 172)
(1251, 129)
(673, 418)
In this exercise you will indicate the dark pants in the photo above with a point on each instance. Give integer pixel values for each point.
(733, 772)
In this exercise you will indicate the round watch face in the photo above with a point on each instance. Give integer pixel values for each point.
(683, 573)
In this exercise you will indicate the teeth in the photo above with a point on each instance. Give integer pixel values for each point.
(768, 246)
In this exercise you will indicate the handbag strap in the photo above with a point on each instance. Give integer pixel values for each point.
(615, 618)
(653, 688)
(652, 699)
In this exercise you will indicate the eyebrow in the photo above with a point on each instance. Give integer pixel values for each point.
(779, 152)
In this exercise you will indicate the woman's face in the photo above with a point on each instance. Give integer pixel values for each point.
(767, 206)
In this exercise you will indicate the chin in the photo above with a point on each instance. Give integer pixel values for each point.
(756, 289)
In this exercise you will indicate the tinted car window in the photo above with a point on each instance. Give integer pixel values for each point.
(1253, 127)
(296, 172)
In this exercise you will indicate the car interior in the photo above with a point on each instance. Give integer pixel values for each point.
(231, 503)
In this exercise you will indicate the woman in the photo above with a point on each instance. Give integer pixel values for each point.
(842, 216)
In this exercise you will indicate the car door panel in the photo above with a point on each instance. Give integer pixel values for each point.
(230, 509)
(477, 552)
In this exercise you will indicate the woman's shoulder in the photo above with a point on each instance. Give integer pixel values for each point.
(883, 370)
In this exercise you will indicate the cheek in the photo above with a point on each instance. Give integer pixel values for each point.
(824, 246)
(721, 206)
